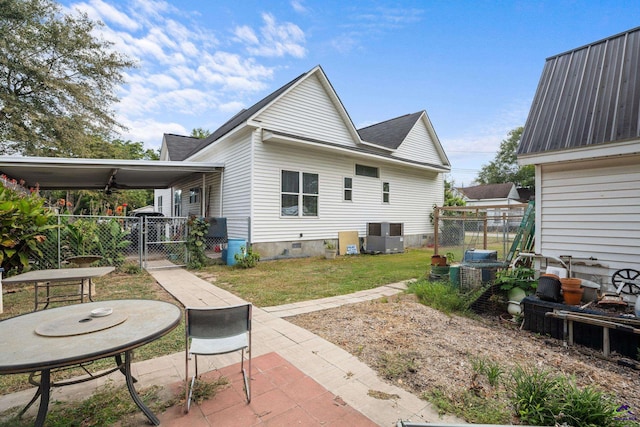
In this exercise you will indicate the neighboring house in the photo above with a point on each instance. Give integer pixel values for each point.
(297, 171)
(490, 196)
(583, 136)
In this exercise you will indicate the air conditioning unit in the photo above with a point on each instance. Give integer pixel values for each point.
(385, 237)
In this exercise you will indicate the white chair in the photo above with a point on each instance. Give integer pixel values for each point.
(217, 330)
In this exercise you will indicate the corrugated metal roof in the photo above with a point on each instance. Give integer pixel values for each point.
(587, 96)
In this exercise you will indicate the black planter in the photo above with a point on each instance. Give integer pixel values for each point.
(549, 289)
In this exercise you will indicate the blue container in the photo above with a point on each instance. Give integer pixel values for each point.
(223, 255)
(234, 246)
(477, 255)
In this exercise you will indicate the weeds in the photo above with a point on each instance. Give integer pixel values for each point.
(439, 295)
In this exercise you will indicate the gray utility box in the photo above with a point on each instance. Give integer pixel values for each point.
(385, 237)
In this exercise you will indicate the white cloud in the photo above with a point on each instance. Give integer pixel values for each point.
(246, 34)
(181, 68)
(151, 131)
(277, 40)
(231, 107)
(99, 10)
(298, 6)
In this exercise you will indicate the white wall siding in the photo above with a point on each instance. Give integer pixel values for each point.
(308, 111)
(592, 209)
(413, 193)
(419, 146)
(236, 154)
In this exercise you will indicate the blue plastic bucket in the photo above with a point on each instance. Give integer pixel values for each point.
(234, 246)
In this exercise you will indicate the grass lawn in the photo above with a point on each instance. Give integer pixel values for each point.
(269, 283)
(292, 280)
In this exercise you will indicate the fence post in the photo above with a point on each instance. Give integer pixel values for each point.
(485, 228)
(436, 216)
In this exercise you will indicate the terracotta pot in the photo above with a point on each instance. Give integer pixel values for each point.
(439, 260)
(572, 296)
(571, 283)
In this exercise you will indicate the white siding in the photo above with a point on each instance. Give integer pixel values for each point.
(419, 146)
(308, 111)
(591, 209)
(235, 153)
(413, 194)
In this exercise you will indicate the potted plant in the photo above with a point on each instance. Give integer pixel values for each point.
(520, 278)
(330, 249)
(517, 283)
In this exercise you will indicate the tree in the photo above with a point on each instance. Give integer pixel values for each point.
(57, 80)
(504, 167)
(450, 198)
(200, 133)
(96, 202)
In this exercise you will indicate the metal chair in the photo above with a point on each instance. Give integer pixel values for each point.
(217, 330)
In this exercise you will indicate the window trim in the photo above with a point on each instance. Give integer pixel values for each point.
(177, 203)
(346, 189)
(194, 195)
(301, 195)
(360, 170)
(386, 192)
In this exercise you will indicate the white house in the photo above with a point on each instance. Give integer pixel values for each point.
(583, 136)
(297, 171)
(490, 196)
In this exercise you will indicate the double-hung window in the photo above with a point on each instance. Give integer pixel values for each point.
(177, 203)
(385, 192)
(348, 189)
(299, 194)
(194, 195)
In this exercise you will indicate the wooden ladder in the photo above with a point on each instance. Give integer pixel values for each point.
(524, 240)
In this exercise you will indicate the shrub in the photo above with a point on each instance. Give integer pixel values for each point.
(24, 221)
(247, 258)
(196, 243)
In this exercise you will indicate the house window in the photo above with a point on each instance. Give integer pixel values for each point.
(385, 192)
(348, 189)
(159, 204)
(194, 195)
(177, 203)
(369, 171)
(299, 194)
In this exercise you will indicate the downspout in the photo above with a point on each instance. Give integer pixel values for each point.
(221, 210)
(203, 196)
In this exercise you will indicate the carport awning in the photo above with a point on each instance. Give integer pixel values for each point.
(52, 173)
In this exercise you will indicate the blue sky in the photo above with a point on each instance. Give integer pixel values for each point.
(472, 65)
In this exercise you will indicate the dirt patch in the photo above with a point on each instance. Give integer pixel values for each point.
(422, 349)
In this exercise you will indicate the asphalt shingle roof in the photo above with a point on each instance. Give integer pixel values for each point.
(489, 191)
(390, 133)
(180, 146)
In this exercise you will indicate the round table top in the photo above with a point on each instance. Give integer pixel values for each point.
(133, 323)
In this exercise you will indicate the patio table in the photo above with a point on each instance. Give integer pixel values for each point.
(44, 340)
(60, 277)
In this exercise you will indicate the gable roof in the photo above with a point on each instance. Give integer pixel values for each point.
(387, 135)
(179, 147)
(488, 191)
(390, 133)
(243, 116)
(587, 97)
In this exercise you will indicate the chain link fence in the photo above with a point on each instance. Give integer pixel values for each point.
(115, 240)
(462, 228)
